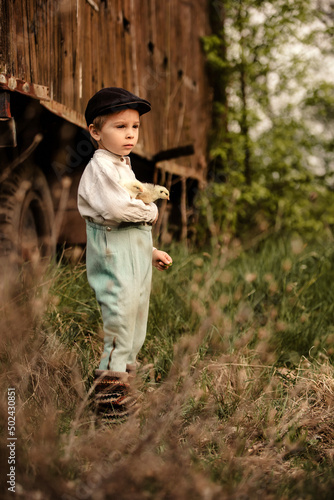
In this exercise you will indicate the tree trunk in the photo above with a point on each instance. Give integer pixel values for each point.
(244, 124)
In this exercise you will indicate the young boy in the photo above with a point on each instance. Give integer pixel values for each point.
(119, 241)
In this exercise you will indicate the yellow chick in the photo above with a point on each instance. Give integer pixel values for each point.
(133, 187)
(153, 192)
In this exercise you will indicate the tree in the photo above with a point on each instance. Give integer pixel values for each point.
(269, 169)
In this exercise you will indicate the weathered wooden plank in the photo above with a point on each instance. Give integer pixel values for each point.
(182, 169)
(151, 47)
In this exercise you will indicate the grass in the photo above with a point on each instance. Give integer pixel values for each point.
(237, 381)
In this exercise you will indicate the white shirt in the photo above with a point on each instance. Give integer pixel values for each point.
(102, 199)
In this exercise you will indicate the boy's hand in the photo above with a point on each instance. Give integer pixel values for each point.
(161, 260)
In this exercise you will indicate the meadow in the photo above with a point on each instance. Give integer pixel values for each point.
(236, 380)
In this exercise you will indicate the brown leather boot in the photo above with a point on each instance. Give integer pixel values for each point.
(112, 394)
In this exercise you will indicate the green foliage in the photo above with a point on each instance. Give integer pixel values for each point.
(270, 167)
(288, 286)
(281, 289)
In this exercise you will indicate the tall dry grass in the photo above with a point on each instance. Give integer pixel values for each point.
(227, 412)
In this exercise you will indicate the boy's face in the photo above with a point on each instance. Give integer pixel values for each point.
(119, 133)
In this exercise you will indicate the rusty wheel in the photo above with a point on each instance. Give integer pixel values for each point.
(26, 214)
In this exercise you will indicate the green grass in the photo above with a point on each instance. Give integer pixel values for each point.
(238, 395)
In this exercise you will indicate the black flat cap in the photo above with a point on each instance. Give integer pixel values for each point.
(111, 100)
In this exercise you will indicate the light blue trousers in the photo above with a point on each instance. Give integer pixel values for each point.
(119, 269)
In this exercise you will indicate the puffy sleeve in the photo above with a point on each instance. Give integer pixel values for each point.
(101, 196)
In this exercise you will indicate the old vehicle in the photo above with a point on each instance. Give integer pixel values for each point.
(54, 54)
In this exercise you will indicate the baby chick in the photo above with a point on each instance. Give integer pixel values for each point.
(153, 192)
(133, 187)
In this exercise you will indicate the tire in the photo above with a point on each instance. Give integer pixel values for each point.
(26, 215)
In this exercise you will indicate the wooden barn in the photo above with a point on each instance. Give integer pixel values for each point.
(54, 55)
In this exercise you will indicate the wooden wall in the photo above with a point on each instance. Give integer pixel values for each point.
(150, 47)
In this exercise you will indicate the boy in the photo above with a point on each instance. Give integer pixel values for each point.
(119, 241)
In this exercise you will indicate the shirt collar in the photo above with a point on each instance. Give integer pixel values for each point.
(115, 158)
